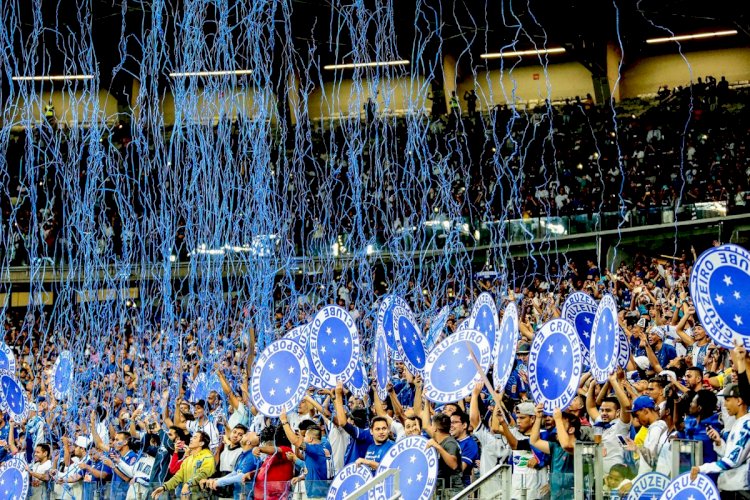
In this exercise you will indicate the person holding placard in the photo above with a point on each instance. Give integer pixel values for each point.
(568, 428)
(611, 422)
(528, 476)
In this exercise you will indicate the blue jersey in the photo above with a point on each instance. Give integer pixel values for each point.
(316, 463)
(357, 447)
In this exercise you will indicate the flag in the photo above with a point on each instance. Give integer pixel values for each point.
(347, 481)
(451, 372)
(648, 486)
(409, 339)
(280, 378)
(13, 398)
(483, 318)
(418, 469)
(580, 308)
(62, 375)
(555, 365)
(437, 325)
(381, 366)
(720, 287)
(605, 341)
(7, 358)
(683, 488)
(14, 481)
(358, 384)
(385, 319)
(334, 345)
(505, 347)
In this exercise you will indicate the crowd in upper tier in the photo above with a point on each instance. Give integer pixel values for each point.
(573, 158)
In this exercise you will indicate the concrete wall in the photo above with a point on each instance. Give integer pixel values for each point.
(527, 83)
(348, 97)
(646, 75)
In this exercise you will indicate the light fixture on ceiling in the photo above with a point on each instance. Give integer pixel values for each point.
(402, 62)
(521, 53)
(694, 36)
(53, 78)
(184, 74)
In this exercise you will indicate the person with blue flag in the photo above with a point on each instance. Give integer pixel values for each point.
(568, 428)
(527, 480)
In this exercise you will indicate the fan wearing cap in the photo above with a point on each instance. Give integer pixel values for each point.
(732, 467)
(653, 347)
(68, 480)
(568, 428)
(654, 454)
(518, 382)
(527, 459)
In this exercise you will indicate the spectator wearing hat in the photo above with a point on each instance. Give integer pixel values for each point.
(654, 453)
(653, 347)
(68, 478)
(201, 423)
(568, 427)
(732, 467)
(518, 382)
(526, 459)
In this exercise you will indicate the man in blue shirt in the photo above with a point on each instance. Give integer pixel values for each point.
(316, 453)
(381, 443)
(469, 447)
(355, 424)
(122, 447)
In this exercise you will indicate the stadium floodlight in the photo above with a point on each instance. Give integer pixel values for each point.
(694, 36)
(375, 64)
(184, 74)
(521, 53)
(53, 78)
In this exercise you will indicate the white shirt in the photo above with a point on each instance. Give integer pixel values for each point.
(209, 428)
(37, 492)
(525, 477)
(656, 450)
(339, 440)
(612, 448)
(735, 455)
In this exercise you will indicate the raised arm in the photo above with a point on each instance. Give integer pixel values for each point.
(535, 439)
(95, 435)
(622, 398)
(338, 405)
(591, 407)
(474, 417)
(292, 436)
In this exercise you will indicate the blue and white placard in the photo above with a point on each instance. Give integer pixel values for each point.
(384, 322)
(349, 479)
(300, 334)
(648, 486)
(280, 378)
(334, 345)
(358, 384)
(483, 318)
(437, 326)
(14, 480)
(12, 397)
(450, 372)
(418, 469)
(409, 339)
(605, 341)
(7, 358)
(720, 287)
(203, 385)
(580, 308)
(62, 375)
(683, 488)
(555, 365)
(623, 352)
(505, 347)
(381, 366)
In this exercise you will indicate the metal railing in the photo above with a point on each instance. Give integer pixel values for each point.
(502, 472)
(375, 483)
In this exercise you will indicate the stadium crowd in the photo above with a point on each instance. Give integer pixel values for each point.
(124, 435)
(686, 147)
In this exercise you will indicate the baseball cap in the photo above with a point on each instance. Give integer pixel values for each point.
(526, 409)
(82, 442)
(731, 391)
(523, 348)
(643, 403)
